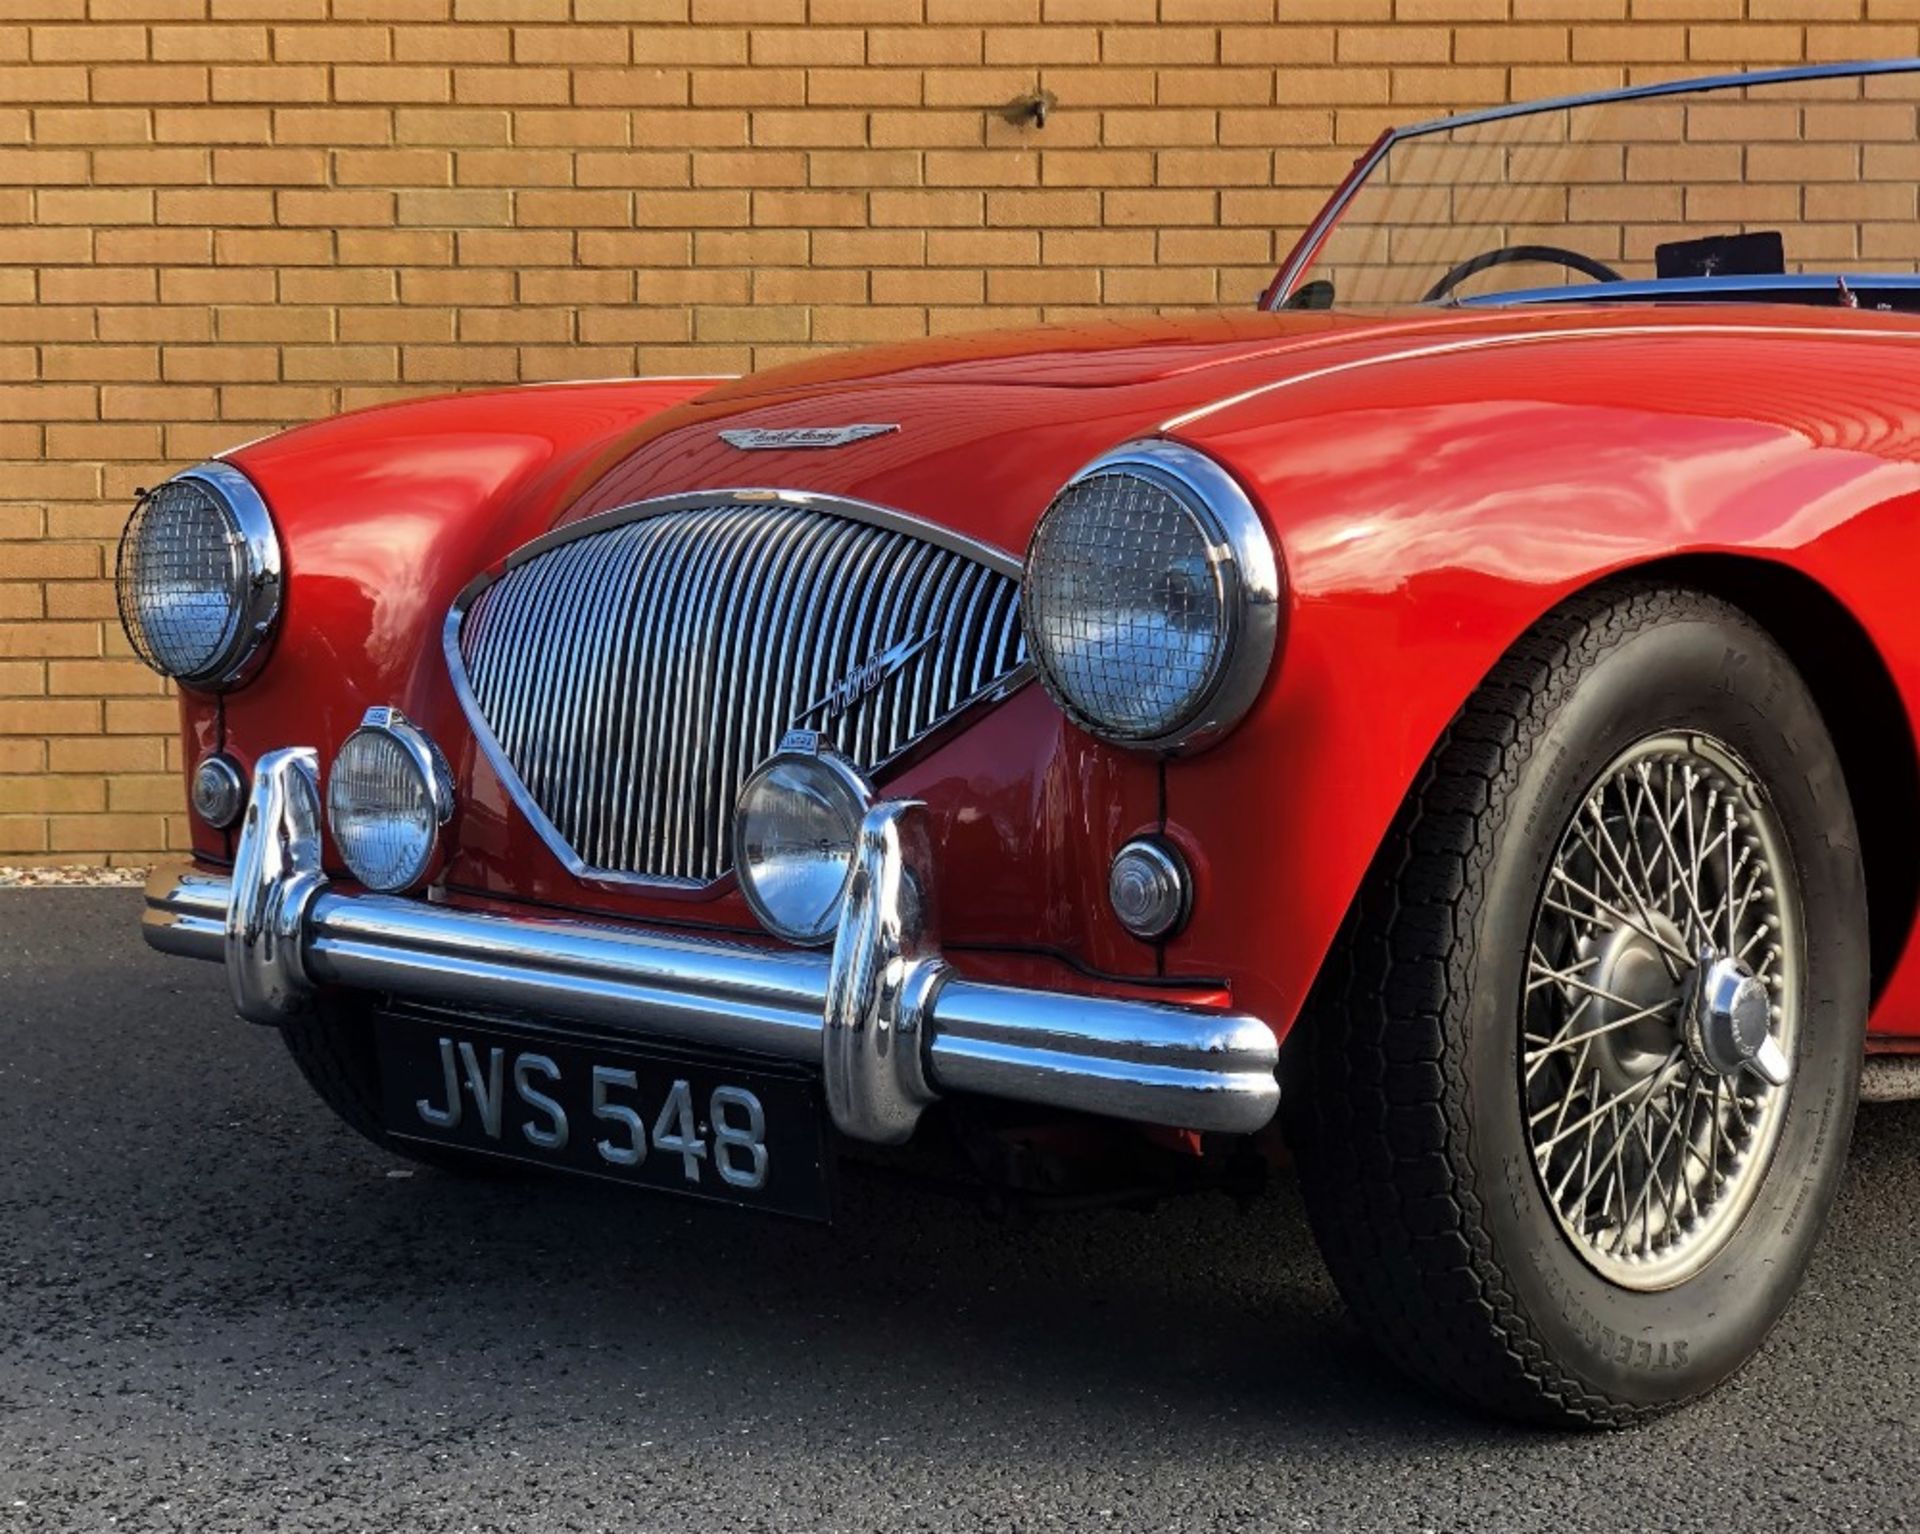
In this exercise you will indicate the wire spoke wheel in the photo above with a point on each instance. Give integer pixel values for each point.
(1661, 1009)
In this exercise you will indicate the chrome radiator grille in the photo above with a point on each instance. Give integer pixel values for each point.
(632, 677)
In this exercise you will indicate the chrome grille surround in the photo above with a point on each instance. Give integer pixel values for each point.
(624, 675)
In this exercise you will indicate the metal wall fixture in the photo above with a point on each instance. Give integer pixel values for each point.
(625, 675)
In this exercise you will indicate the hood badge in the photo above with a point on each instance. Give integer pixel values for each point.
(760, 439)
(867, 677)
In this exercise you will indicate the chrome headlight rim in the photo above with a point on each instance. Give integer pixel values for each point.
(1247, 573)
(805, 750)
(257, 599)
(430, 766)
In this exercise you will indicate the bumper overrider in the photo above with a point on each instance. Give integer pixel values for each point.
(883, 1016)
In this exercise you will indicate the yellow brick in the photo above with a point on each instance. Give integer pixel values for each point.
(21, 679)
(522, 85)
(332, 45)
(183, 166)
(92, 206)
(159, 793)
(210, 45)
(269, 167)
(33, 83)
(148, 83)
(213, 125)
(452, 127)
(392, 83)
(90, 125)
(102, 678)
(105, 755)
(637, 86)
(23, 756)
(22, 833)
(106, 833)
(332, 126)
(88, 44)
(223, 208)
(571, 45)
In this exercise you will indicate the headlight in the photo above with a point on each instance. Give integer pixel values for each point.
(388, 794)
(198, 576)
(794, 831)
(1151, 598)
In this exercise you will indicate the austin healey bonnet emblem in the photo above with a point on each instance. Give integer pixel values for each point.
(753, 439)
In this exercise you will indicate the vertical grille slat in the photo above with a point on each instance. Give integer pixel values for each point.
(632, 676)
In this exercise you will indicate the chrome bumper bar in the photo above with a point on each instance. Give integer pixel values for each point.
(883, 1017)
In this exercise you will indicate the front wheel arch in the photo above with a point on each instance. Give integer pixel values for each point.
(1398, 1089)
(1859, 701)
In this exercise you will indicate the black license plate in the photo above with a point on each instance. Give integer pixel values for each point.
(678, 1123)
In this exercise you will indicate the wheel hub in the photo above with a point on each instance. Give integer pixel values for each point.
(1661, 1010)
(1640, 1005)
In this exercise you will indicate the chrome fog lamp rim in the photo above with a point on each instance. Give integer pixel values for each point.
(1150, 889)
(1245, 567)
(257, 597)
(801, 753)
(219, 792)
(431, 773)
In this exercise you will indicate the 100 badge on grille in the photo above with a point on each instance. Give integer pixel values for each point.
(669, 1122)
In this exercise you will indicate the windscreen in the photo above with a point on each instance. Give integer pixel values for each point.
(1798, 176)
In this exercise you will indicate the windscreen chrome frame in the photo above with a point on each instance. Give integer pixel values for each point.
(1309, 243)
(847, 507)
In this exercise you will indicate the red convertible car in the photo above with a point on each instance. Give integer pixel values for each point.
(1453, 720)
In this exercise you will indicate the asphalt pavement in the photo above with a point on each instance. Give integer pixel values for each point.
(221, 1310)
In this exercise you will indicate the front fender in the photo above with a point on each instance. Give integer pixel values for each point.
(1432, 509)
(383, 515)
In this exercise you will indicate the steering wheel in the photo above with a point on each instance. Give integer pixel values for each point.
(1506, 255)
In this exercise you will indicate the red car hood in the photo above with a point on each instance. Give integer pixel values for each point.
(986, 427)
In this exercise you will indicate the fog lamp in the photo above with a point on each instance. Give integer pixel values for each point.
(388, 794)
(794, 831)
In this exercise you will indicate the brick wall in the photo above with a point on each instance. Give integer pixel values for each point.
(224, 216)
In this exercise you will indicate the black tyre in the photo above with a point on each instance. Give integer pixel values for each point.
(1533, 1096)
(333, 1046)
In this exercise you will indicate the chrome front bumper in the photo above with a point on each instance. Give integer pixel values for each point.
(888, 1023)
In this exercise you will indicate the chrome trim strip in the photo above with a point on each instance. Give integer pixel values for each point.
(796, 597)
(852, 509)
(1529, 337)
(882, 1017)
(1833, 285)
(1309, 244)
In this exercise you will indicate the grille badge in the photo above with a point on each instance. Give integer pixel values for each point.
(759, 439)
(866, 677)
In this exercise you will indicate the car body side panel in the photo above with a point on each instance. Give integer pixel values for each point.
(1432, 508)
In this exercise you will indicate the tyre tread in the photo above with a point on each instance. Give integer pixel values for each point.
(1377, 1104)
